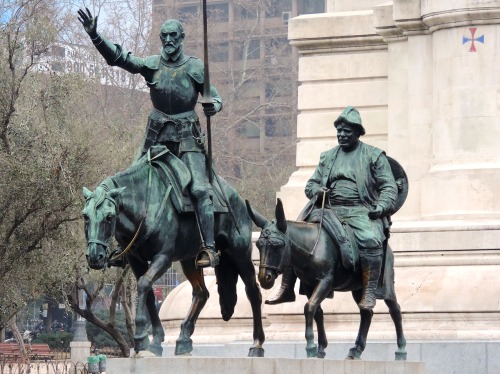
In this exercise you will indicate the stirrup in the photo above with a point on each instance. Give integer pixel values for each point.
(207, 257)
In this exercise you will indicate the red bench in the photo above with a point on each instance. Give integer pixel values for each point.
(38, 351)
(11, 352)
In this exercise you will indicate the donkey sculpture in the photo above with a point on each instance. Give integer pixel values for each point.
(290, 243)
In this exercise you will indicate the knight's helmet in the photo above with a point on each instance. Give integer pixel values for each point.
(350, 115)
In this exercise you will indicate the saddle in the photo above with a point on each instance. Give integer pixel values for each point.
(339, 231)
(172, 171)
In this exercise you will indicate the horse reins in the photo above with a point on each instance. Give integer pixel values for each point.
(167, 193)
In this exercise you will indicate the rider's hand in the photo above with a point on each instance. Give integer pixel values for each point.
(88, 21)
(321, 192)
(376, 213)
(209, 109)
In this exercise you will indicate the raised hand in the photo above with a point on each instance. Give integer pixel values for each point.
(88, 21)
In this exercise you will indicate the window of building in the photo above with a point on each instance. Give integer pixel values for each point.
(187, 13)
(249, 49)
(249, 128)
(311, 6)
(245, 11)
(219, 52)
(278, 88)
(218, 12)
(278, 126)
(277, 7)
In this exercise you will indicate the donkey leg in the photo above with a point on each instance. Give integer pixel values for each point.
(145, 280)
(395, 312)
(184, 343)
(320, 325)
(247, 273)
(364, 325)
(312, 305)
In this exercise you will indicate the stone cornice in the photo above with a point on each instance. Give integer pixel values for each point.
(331, 32)
(396, 20)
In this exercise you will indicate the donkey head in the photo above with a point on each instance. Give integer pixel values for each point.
(272, 245)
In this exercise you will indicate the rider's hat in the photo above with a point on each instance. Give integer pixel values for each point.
(350, 116)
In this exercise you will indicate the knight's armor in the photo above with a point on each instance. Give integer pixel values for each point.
(175, 83)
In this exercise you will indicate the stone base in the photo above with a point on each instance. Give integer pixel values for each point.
(439, 356)
(80, 350)
(213, 365)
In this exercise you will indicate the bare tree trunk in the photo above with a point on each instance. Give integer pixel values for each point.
(19, 339)
(87, 314)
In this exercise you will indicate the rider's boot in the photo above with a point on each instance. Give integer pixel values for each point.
(207, 255)
(371, 264)
(286, 292)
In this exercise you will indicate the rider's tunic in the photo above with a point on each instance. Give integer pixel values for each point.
(359, 181)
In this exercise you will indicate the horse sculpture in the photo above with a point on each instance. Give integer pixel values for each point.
(290, 243)
(135, 206)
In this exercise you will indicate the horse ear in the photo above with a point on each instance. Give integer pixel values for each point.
(259, 220)
(116, 192)
(280, 216)
(87, 194)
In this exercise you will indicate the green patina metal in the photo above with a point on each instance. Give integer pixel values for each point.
(137, 208)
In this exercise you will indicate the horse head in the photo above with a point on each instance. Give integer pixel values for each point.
(272, 245)
(99, 214)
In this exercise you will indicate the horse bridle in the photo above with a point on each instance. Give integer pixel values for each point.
(106, 244)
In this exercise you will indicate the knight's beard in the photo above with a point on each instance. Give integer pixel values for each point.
(172, 50)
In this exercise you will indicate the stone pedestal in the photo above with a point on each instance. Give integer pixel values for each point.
(79, 353)
(212, 365)
(80, 346)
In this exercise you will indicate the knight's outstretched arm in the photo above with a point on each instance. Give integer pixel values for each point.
(112, 53)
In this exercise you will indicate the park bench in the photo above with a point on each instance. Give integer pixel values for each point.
(9, 352)
(39, 351)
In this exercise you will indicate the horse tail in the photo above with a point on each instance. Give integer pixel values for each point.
(227, 277)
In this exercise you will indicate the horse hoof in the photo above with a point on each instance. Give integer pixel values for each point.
(354, 354)
(183, 346)
(312, 351)
(400, 356)
(321, 353)
(141, 344)
(156, 349)
(256, 352)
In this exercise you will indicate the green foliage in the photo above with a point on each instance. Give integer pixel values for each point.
(100, 338)
(55, 340)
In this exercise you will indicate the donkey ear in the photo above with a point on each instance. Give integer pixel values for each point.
(259, 220)
(87, 194)
(280, 216)
(116, 192)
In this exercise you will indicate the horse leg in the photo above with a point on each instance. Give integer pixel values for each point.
(145, 301)
(322, 340)
(184, 344)
(158, 333)
(395, 312)
(364, 325)
(318, 295)
(247, 273)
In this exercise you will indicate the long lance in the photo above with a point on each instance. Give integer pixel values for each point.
(207, 96)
